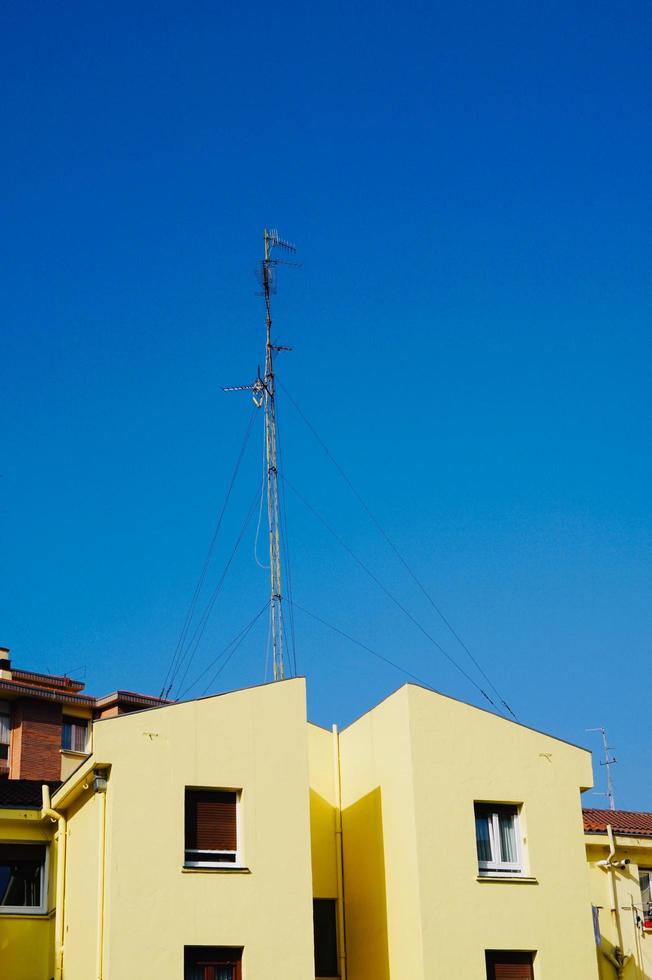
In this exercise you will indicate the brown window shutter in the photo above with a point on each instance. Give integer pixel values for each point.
(10, 853)
(211, 820)
(509, 966)
(513, 971)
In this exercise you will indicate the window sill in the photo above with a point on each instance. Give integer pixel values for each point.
(193, 869)
(27, 914)
(80, 755)
(511, 879)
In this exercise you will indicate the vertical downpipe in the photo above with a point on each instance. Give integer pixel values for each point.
(61, 838)
(339, 854)
(62, 842)
(100, 793)
(614, 889)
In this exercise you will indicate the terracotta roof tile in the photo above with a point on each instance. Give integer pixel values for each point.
(622, 821)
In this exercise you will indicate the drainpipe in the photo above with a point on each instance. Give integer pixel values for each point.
(99, 786)
(619, 961)
(61, 837)
(339, 853)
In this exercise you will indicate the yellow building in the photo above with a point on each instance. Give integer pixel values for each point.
(619, 854)
(228, 838)
(27, 883)
(462, 844)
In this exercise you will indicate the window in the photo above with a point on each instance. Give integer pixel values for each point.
(645, 881)
(5, 729)
(505, 965)
(74, 734)
(22, 877)
(496, 835)
(212, 963)
(325, 927)
(212, 828)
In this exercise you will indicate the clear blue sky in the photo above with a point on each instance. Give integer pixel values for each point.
(469, 185)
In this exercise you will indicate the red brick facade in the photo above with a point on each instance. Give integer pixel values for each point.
(111, 712)
(36, 740)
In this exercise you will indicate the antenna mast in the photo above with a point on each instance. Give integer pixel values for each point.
(272, 240)
(264, 394)
(609, 761)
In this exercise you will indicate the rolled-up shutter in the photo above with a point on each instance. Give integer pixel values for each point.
(213, 963)
(509, 966)
(211, 820)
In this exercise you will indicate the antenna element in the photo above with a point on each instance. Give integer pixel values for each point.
(609, 761)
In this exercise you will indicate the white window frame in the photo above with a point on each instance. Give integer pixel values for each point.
(645, 906)
(498, 867)
(238, 859)
(45, 877)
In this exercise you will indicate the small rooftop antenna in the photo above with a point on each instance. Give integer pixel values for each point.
(264, 394)
(609, 761)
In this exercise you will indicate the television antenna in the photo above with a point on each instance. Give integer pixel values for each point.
(263, 391)
(609, 761)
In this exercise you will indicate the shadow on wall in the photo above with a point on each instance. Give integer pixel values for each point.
(364, 889)
(607, 964)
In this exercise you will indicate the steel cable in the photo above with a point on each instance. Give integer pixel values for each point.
(396, 551)
(177, 656)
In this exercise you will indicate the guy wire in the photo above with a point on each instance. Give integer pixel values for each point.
(387, 592)
(177, 656)
(394, 548)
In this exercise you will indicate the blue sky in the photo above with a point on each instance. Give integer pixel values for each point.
(469, 188)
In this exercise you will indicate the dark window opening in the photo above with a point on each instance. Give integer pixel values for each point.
(5, 731)
(324, 914)
(211, 827)
(21, 875)
(212, 963)
(506, 965)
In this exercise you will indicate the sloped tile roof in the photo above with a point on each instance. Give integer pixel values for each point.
(23, 793)
(622, 821)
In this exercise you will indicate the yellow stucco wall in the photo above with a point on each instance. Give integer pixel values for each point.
(71, 761)
(322, 812)
(637, 942)
(254, 740)
(411, 771)
(461, 755)
(81, 895)
(27, 941)
(382, 901)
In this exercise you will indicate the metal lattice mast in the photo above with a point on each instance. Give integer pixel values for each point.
(269, 395)
(264, 394)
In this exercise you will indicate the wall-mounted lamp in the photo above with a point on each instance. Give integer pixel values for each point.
(100, 781)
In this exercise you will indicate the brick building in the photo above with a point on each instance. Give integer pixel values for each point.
(45, 721)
